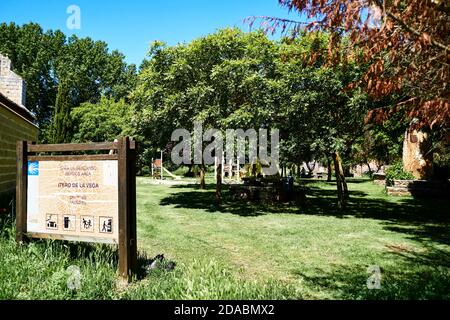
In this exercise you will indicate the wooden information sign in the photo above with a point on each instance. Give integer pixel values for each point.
(89, 197)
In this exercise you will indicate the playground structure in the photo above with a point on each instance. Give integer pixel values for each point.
(158, 169)
(230, 171)
(269, 190)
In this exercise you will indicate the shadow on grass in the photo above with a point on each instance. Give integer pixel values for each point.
(422, 219)
(205, 200)
(423, 274)
(409, 282)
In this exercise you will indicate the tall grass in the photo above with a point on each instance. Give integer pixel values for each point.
(38, 270)
(204, 281)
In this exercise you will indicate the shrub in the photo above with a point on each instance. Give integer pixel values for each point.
(368, 175)
(145, 171)
(396, 172)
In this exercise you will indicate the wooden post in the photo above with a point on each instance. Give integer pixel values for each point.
(222, 166)
(21, 190)
(340, 181)
(162, 174)
(132, 217)
(219, 179)
(153, 177)
(215, 168)
(238, 170)
(127, 210)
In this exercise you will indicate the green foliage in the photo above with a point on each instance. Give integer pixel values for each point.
(396, 172)
(232, 79)
(380, 142)
(103, 121)
(62, 124)
(33, 53)
(226, 80)
(38, 270)
(441, 155)
(47, 59)
(229, 79)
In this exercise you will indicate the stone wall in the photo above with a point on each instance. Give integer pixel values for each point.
(11, 85)
(419, 188)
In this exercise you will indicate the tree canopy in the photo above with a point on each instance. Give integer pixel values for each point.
(405, 44)
(47, 59)
(103, 121)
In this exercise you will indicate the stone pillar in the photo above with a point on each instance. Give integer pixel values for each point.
(416, 158)
(11, 85)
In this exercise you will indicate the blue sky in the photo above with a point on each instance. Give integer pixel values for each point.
(131, 25)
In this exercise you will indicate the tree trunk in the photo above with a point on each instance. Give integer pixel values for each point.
(379, 166)
(342, 189)
(254, 170)
(344, 181)
(330, 171)
(310, 170)
(368, 166)
(219, 184)
(344, 184)
(202, 176)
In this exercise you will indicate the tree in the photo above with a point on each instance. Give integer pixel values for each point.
(62, 120)
(231, 80)
(33, 53)
(93, 70)
(225, 80)
(404, 43)
(46, 59)
(319, 118)
(381, 143)
(102, 121)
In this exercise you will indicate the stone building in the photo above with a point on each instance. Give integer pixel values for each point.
(16, 123)
(11, 85)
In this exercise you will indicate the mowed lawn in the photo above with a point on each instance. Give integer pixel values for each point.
(317, 251)
(247, 251)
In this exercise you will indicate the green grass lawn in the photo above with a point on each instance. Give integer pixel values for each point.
(243, 251)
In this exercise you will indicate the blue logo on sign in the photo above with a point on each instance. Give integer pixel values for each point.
(33, 168)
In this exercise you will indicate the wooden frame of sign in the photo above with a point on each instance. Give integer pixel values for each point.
(122, 152)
